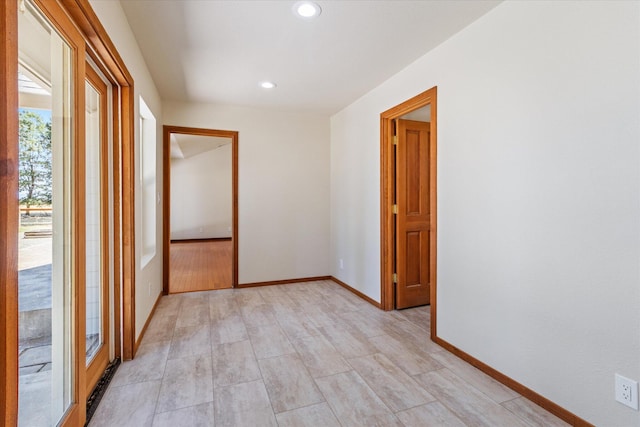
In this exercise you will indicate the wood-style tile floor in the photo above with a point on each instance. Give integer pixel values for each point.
(200, 266)
(307, 354)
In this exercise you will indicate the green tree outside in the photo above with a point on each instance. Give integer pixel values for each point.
(35, 177)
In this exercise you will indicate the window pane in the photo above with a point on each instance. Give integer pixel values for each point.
(94, 285)
(148, 184)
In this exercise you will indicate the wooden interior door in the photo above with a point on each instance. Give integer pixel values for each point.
(412, 218)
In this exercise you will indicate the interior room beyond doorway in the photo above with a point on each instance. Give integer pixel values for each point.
(200, 190)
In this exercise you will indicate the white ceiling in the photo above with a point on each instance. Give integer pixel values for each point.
(184, 146)
(219, 51)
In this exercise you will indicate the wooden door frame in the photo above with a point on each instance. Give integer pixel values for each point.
(387, 198)
(97, 44)
(167, 130)
(102, 50)
(9, 215)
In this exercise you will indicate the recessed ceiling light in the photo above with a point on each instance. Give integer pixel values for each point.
(307, 9)
(267, 85)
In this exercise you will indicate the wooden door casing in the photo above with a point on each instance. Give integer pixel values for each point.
(388, 200)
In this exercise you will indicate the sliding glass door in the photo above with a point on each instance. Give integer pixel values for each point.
(65, 254)
(48, 254)
(66, 224)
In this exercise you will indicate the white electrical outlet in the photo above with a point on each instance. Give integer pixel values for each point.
(341, 264)
(627, 391)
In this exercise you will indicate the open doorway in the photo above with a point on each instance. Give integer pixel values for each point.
(408, 204)
(200, 243)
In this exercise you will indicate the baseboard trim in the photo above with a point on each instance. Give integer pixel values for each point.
(356, 292)
(312, 279)
(146, 325)
(526, 392)
(283, 282)
(208, 239)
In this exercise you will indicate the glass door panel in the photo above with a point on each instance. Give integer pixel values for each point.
(97, 291)
(45, 279)
(94, 336)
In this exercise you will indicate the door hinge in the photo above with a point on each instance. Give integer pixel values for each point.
(394, 209)
(395, 278)
(395, 139)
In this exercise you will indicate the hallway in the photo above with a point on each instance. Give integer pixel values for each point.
(306, 354)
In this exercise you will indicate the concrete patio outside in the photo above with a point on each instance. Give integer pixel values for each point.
(34, 307)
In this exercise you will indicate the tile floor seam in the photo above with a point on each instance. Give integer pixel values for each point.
(334, 349)
(302, 407)
(135, 382)
(155, 407)
(452, 414)
(255, 358)
(415, 383)
(276, 356)
(419, 405)
(482, 375)
(184, 407)
(164, 371)
(452, 409)
(476, 388)
(268, 395)
(238, 383)
(374, 392)
(299, 356)
(518, 416)
(390, 411)
(313, 404)
(329, 404)
(196, 357)
(511, 400)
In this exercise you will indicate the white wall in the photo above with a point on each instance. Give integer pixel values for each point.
(538, 195)
(149, 278)
(201, 195)
(283, 180)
